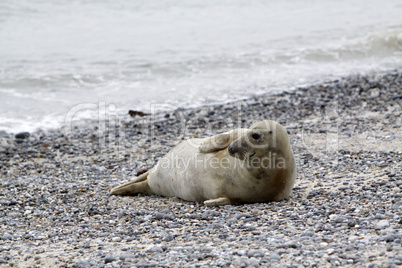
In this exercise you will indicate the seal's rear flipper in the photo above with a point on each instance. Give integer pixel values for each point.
(221, 201)
(136, 186)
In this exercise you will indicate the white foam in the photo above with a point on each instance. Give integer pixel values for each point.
(30, 124)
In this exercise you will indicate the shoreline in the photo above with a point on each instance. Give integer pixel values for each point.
(170, 108)
(345, 209)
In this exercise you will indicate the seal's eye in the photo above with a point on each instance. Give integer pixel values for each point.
(256, 136)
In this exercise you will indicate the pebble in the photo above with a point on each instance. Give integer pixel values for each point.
(109, 258)
(116, 239)
(274, 256)
(5, 144)
(154, 249)
(255, 253)
(382, 224)
(22, 135)
(6, 236)
(163, 216)
(126, 256)
(168, 238)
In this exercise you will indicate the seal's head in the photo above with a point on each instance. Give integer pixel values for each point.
(261, 139)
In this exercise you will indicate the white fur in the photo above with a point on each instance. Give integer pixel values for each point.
(204, 170)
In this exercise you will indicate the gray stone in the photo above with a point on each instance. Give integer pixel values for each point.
(168, 238)
(352, 223)
(307, 234)
(6, 236)
(116, 239)
(274, 256)
(381, 224)
(163, 216)
(22, 135)
(255, 253)
(5, 144)
(4, 134)
(82, 263)
(339, 219)
(253, 262)
(154, 249)
(126, 255)
(109, 259)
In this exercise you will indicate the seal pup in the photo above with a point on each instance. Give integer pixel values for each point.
(251, 165)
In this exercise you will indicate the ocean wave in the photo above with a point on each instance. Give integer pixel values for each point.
(374, 45)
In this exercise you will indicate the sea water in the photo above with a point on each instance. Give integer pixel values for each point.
(66, 59)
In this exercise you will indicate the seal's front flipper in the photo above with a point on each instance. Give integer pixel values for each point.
(136, 186)
(220, 141)
(221, 201)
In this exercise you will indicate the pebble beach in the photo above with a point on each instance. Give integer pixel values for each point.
(345, 209)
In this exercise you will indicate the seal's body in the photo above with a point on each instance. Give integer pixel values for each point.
(241, 166)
